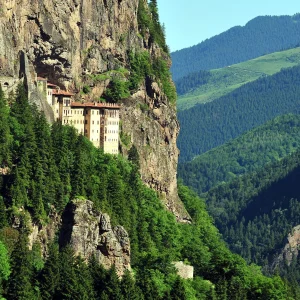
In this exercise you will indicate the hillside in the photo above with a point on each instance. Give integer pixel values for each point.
(50, 173)
(252, 150)
(223, 81)
(260, 36)
(209, 125)
(256, 211)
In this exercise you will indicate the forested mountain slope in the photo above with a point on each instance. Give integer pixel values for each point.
(43, 168)
(209, 125)
(262, 35)
(206, 86)
(252, 150)
(256, 211)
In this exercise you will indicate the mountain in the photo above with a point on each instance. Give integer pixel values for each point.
(250, 151)
(206, 86)
(73, 219)
(209, 125)
(112, 57)
(260, 36)
(256, 212)
(78, 223)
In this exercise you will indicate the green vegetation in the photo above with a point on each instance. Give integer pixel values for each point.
(209, 125)
(258, 37)
(50, 166)
(265, 144)
(256, 211)
(148, 21)
(216, 83)
(142, 66)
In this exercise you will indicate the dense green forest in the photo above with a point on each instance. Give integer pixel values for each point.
(256, 211)
(252, 150)
(47, 166)
(191, 81)
(258, 37)
(209, 125)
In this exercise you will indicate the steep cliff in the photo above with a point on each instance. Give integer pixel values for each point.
(85, 44)
(290, 250)
(90, 234)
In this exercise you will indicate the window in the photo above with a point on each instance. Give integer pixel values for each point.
(92, 112)
(86, 121)
(97, 122)
(92, 122)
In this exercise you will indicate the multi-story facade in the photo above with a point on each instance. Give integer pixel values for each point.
(99, 122)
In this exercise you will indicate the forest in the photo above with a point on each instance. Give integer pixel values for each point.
(261, 35)
(209, 125)
(256, 211)
(251, 151)
(47, 166)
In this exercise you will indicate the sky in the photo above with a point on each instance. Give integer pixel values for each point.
(189, 22)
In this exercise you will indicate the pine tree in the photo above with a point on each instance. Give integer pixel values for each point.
(113, 285)
(21, 279)
(67, 283)
(84, 286)
(129, 289)
(4, 266)
(51, 273)
(3, 217)
(5, 137)
(178, 290)
(98, 274)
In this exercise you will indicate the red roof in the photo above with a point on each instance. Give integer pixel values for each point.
(95, 105)
(61, 92)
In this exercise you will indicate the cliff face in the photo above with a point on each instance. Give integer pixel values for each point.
(70, 41)
(90, 233)
(290, 250)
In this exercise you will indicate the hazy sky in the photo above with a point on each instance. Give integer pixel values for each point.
(190, 22)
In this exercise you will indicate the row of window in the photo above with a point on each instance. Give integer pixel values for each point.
(113, 123)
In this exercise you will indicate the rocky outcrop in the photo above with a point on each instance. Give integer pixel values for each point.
(90, 234)
(70, 42)
(290, 250)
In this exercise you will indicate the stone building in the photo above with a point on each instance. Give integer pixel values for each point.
(99, 122)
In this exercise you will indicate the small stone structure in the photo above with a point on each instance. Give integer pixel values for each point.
(183, 270)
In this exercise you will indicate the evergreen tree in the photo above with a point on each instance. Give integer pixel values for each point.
(129, 289)
(4, 266)
(3, 217)
(178, 290)
(113, 285)
(50, 275)
(21, 279)
(5, 137)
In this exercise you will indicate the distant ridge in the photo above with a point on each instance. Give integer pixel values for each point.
(206, 86)
(209, 125)
(261, 35)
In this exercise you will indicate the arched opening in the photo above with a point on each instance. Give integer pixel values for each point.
(5, 85)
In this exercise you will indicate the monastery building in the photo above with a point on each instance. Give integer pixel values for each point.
(99, 122)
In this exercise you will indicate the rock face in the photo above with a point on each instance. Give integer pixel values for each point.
(70, 41)
(290, 250)
(90, 233)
